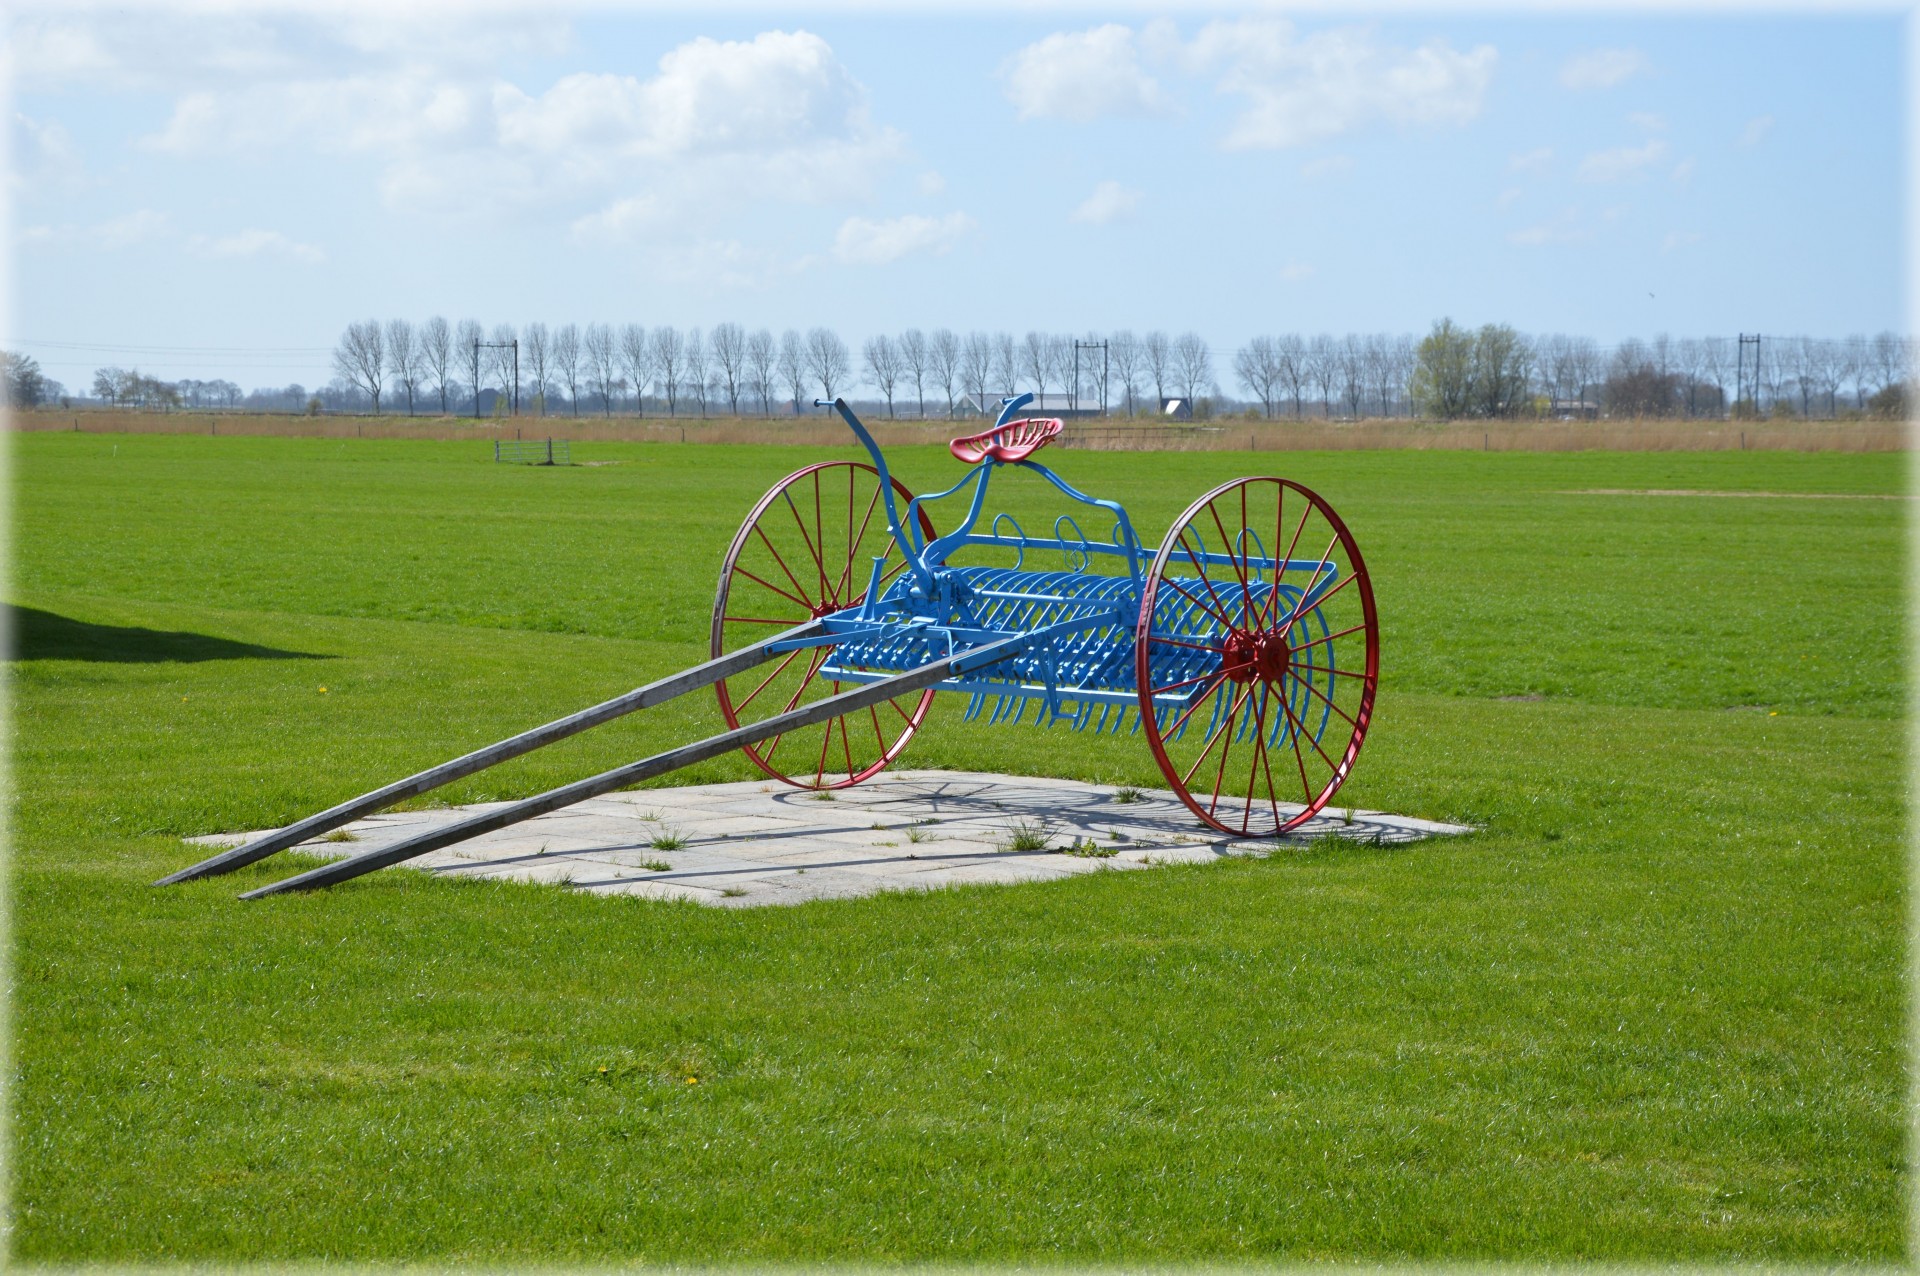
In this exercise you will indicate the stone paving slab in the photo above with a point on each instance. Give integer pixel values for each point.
(757, 842)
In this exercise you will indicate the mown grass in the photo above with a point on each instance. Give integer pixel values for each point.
(1651, 1012)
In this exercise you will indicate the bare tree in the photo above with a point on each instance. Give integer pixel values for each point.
(883, 366)
(793, 364)
(944, 351)
(1714, 365)
(976, 366)
(1323, 365)
(470, 337)
(1259, 371)
(361, 358)
(1125, 351)
(697, 367)
(404, 355)
(1892, 359)
(729, 343)
(1006, 362)
(1825, 369)
(537, 341)
(759, 363)
(1158, 354)
(603, 362)
(828, 361)
(636, 359)
(436, 346)
(914, 360)
(506, 363)
(1502, 369)
(669, 363)
(1352, 358)
(1193, 365)
(1036, 360)
(1380, 370)
(566, 361)
(1290, 353)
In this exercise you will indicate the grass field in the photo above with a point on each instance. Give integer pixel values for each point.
(1654, 1011)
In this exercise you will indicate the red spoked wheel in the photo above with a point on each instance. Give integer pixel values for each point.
(807, 550)
(1257, 656)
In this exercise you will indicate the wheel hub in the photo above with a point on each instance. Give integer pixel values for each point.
(1264, 655)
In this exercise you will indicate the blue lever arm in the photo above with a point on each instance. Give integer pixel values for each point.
(908, 545)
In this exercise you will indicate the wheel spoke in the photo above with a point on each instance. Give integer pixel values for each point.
(1199, 699)
(1207, 581)
(1226, 746)
(820, 567)
(1308, 684)
(1201, 603)
(1239, 569)
(1266, 764)
(1206, 749)
(1311, 739)
(777, 671)
(778, 558)
(1320, 601)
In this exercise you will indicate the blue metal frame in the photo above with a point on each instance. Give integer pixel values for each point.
(1077, 665)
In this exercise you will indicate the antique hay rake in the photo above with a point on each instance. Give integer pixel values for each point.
(1245, 647)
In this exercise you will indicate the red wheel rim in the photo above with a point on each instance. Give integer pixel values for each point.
(805, 550)
(1256, 684)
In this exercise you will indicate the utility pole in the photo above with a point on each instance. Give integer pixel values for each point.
(1743, 379)
(513, 345)
(1101, 346)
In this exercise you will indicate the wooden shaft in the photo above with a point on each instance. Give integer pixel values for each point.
(480, 759)
(646, 768)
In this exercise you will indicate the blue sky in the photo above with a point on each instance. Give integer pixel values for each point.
(218, 192)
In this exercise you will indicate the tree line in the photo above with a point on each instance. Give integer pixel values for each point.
(1451, 372)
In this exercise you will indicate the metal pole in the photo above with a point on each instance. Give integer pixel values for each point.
(659, 764)
(516, 386)
(480, 759)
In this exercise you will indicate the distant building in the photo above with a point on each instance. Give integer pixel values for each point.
(1060, 405)
(1569, 409)
(1178, 409)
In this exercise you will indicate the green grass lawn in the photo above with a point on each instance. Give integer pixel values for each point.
(1653, 1011)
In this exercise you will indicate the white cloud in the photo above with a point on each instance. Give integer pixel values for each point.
(254, 243)
(1677, 239)
(177, 48)
(1294, 271)
(1109, 200)
(44, 161)
(1564, 229)
(930, 183)
(1622, 163)
(618, 221)
(1507, 196)
(720, 127)
(117, 232)
(1756, 130)
(1648, 120)
(1082, 75)
(1304, 89)
(1534, 161)
(863, 242)
(1603, 68)
(1327, 166)
(1683, 171)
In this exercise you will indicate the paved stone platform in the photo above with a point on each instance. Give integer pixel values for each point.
(758, 842)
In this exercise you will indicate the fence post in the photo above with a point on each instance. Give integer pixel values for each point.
(549, 449)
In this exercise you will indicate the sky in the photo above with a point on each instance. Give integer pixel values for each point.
(218, 191)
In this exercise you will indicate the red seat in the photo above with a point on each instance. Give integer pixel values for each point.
(1014, 441)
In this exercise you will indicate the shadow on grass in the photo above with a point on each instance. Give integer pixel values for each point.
(41, 635)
